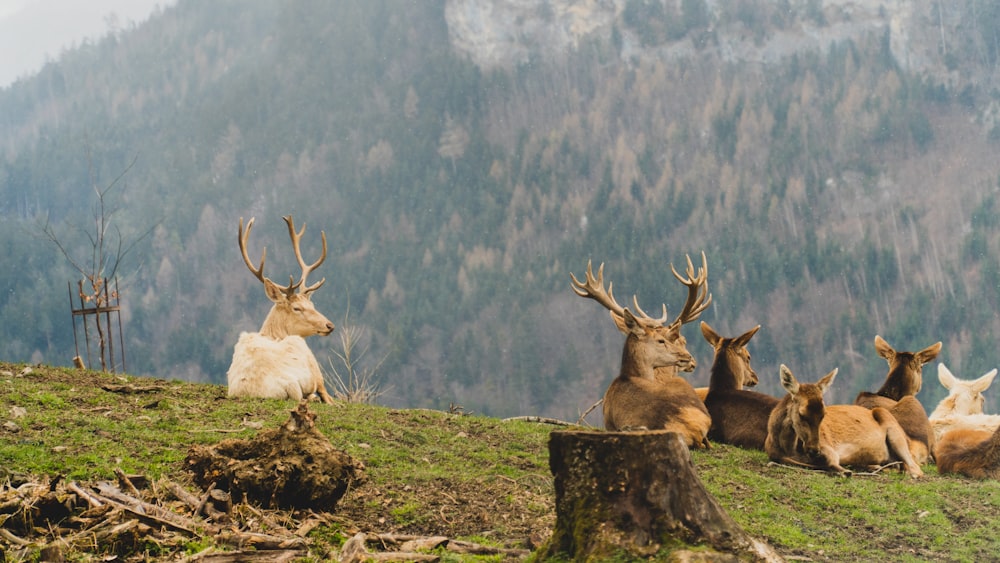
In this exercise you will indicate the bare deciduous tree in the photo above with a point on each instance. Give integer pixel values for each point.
(108, 249)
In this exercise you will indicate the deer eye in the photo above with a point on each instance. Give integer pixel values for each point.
(297, 309)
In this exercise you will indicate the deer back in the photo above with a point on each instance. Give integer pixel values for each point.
(739, 416)
(632, 403)
(969, 452)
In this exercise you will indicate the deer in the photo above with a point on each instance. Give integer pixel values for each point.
(963, 407)
(739, 416)
(803, 431)
(970, 452)
(276, 362)
(898, 394)
(643, 395)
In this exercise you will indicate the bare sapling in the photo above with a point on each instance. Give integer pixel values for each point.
(98, 290)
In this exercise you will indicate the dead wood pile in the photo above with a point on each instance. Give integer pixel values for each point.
(294, 466)
(246, 511)
(133, 517)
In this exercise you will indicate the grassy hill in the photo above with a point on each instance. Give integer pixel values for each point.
(453, 474)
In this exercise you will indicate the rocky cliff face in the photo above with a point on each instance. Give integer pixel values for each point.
(511, 32)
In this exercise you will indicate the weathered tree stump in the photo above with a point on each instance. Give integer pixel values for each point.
(294, 466)
(638, 492)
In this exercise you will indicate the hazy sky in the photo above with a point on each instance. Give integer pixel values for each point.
(33, 31)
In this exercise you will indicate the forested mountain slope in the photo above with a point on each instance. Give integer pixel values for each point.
(836, 161)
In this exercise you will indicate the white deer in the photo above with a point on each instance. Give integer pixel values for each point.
(963, 407)
(276, 362)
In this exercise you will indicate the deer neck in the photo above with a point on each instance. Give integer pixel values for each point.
(898, 384)
(782, 427)
(272, 328)
(722, 375)
(633, 364)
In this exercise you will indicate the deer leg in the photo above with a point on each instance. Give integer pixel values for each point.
(897, 440)
(323, 395)
(832, 459)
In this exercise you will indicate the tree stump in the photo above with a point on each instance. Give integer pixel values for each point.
(638, 492)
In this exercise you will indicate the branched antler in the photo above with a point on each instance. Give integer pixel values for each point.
(306, 269)
(698, 298)
(594, 289)
(258, 272)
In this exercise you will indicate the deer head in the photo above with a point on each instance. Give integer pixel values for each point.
(805, 408)
(293, 312)
(964, 397)
(649, 344)
(698, 300)
(732, 369)
(905, 375)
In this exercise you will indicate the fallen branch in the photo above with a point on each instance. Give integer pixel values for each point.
(145, 510)
(93, 502)
(410, 542)
(579, 421)
(541, 419)
(129, 388)
(355, 551)
(259, 541)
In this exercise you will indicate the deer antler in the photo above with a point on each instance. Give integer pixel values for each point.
(306, 269)
(258, 272)
(698, 298)
(594, 289)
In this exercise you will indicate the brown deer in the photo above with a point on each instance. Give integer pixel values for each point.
(739, 416)
(963, 407)
(899, 395)
(971, 452)
(803, 431)
(637, 398)
(276, 362)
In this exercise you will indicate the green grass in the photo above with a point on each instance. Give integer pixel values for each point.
(472, 477)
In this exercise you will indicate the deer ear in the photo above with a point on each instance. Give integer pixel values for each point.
(884, 349)
(983, 383)
(744, 339)
(827, 380)
(274, 293)
(945, 376)
(929, 353)
(788, 380)
(619, 322)
(710, 335)
(631, 323)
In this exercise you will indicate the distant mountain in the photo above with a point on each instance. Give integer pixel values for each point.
(836, 161)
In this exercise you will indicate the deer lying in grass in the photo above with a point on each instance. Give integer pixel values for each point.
(276, 362)
(638, 398)
(963, 407)
(803, 431)
(969, 452)
(899, 395)
(739, 416)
